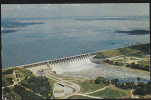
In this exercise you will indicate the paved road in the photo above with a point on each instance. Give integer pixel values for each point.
(70, 84)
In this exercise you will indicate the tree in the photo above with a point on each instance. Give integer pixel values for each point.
(139, 91)
(114, 81)
(141, 84)
(6, 89)
(146, 67)
(107, 61)
(108, 82)
(128, 65)
(3, 83)
(133, 65)
(128, 84)
(112, 62)
(138, 79)
(117, 63)
(132, 84)
(121, 85)
(100, 80)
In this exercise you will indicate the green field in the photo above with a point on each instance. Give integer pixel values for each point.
(137, 54)
(122, 51)
(79, 97)
(88, 86)
(109, 93)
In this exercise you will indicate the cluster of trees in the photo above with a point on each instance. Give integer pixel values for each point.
(101, 80)
(132, 65)
(6, 81)
(140, 89)
(112, 63)
(9, 93)
(25, 94)
(127, 85)
(138, 66)
(39, 85)
(9, 71)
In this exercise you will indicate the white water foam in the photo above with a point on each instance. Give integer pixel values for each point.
(74, 65)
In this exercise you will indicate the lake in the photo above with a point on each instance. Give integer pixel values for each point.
(63, 37)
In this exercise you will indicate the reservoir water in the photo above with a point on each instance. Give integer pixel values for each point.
(63, 37)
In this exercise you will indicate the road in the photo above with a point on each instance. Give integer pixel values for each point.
(65, 82)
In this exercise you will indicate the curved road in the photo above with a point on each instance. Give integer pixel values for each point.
(70, 84)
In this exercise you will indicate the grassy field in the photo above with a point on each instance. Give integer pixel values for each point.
(88, 86)
(137, 54)
(122, 51)
(79, 97)
(109, 93)
(112, 93)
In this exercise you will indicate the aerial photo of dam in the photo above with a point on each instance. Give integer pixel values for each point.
(75, 51)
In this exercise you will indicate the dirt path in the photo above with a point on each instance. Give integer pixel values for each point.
(98, 90)
(13, 84)
(85, 94)
(30, 90)
(89, 96)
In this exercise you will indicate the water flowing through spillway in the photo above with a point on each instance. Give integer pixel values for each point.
(72, 64)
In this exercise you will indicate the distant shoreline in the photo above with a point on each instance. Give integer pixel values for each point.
(13, 24)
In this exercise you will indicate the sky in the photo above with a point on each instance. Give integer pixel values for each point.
(62, 10)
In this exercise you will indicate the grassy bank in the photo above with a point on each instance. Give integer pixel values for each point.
(144, 48)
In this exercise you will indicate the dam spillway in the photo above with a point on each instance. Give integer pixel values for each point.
(67, 64)
(71, 64)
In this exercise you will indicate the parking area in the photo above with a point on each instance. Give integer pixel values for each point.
(61, 90)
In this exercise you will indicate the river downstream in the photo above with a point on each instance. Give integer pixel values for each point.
(110, 72)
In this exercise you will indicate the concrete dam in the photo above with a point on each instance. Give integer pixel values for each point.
(67, 64)
(70, 64)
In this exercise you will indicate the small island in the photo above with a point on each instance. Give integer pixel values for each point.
(8, 31)
(134, 32)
